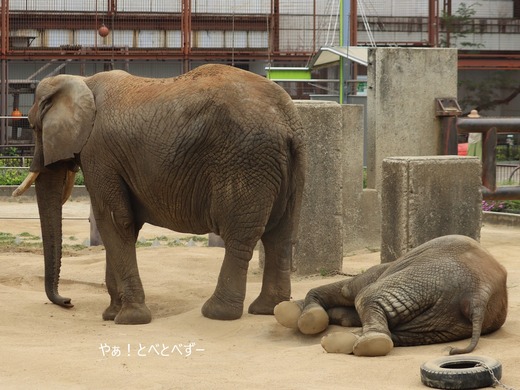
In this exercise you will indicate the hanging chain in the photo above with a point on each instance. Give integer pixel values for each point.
(496, 382)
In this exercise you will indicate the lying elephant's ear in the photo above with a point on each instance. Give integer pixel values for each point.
(66, 114)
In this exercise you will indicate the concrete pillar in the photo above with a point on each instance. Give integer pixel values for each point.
(402, 86)
(354, 221)
(427, 197)
(214, 240)
(320, 238)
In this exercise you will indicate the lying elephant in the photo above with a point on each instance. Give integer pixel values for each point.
(447, 289)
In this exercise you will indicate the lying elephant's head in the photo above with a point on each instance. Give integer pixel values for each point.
(62, 117)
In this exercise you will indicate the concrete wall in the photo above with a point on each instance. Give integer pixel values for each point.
(402, 86)
(428, 197)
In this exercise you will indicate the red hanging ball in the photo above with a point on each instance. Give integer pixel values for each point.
(16, 112)
(103, 31)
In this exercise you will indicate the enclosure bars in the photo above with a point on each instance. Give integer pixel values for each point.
(448, 110)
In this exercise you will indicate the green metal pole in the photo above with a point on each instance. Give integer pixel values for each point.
(341, 59)
(344, 40)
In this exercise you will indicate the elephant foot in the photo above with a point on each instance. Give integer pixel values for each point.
(373, 344)
(265, 304)
(111, 312)
(216, 309)
(344, 316)
(313, 320)
(339, 342)
(133, 314)
(287, 313)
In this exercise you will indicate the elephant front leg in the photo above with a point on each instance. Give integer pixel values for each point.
(315, 318)
(126, 290)
(113, 310)
(119, 233)
(227, 302)
(311, 316)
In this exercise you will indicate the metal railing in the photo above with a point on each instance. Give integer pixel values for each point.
(448, 110)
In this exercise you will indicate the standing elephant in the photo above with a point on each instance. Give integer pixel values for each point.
(216, 150)
(447, 289)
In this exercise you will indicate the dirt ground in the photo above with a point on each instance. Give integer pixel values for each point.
(43, 346)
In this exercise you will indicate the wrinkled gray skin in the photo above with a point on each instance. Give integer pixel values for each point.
(447, 289)
(215, 150)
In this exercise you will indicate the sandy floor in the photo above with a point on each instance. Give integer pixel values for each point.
(43, 346)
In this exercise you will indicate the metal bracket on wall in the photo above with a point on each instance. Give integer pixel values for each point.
(448, 110)
(447, 107)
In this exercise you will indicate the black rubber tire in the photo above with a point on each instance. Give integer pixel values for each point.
(460, 372)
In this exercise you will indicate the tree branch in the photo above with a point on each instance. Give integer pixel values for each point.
(497, 102)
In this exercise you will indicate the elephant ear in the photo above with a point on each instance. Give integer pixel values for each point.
(66, 114)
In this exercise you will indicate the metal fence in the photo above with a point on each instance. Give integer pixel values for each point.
(168, 29)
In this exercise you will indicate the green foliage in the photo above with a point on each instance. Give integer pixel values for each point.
(173, 242)
(512, 206)
(12, 176)
(188, 241)
(6, 238)
(488, 92)
(75, 247)
(507, 153)
(29, 242)
(11, 151)
(504, 206)
(80, 180)
(23, 240)
(458, 26)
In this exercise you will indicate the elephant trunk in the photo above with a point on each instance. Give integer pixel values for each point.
(50, 187)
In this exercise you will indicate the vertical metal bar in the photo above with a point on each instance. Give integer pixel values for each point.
(3, 102)
(186, 34)
(353, 23)
(449, 135)
(447, 11)
(489, 141)
(276, 27)
(433, 22)
(4, 43)
(315, 9)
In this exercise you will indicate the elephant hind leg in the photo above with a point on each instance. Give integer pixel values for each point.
(375, 339)
(276, 282)
(227, 302)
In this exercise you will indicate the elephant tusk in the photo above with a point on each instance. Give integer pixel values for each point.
(29, 180)
(69, 185)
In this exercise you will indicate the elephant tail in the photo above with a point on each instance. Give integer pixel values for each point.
(486, 315)
(298, 168)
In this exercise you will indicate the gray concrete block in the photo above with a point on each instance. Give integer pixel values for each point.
(214, 240)
(319, 247)
(427, 197)
(370, 225)
(402, 86)
(352, 173)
